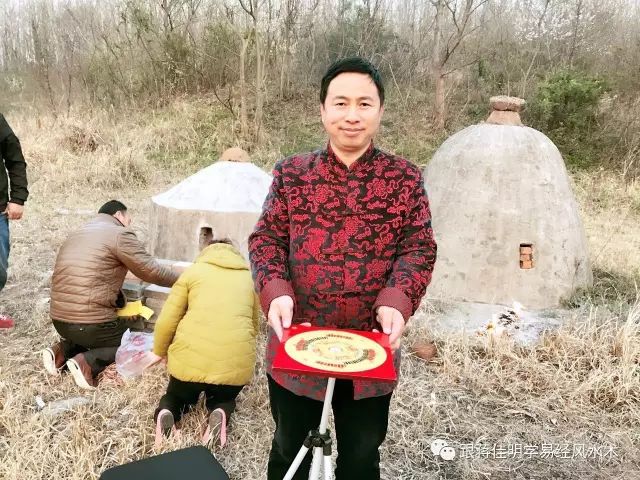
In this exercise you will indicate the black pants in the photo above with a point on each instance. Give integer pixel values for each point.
(98, 342)
(361, 427)
(181, 396)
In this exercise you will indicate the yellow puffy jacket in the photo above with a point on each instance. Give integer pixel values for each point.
(208, 325)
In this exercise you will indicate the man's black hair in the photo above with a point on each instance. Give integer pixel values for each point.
(351, 65)
(112, 207)
(221, 240)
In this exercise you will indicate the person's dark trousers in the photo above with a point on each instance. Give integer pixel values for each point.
(4, 249)
(181, 396)
(98, 342)
(361, 427)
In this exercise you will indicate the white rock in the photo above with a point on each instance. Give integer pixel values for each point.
(221, 187)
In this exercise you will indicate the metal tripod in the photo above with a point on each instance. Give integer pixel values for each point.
(320, 441)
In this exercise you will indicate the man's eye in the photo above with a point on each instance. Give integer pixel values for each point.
(364, 104)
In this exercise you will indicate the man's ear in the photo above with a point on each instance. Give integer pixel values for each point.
(119, 216)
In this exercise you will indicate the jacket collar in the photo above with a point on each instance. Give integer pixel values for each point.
(362, 162)
(106, 218)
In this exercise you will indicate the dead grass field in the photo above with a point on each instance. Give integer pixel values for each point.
(581, 386)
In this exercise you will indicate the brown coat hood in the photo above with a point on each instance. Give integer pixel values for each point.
(91, 266)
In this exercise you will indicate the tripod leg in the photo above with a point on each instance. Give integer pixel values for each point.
(316, 466)
(327, 467)
(296, 463)
(326, 407)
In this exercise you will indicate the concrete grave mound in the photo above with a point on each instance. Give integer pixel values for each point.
(223, 200)
(504, 216)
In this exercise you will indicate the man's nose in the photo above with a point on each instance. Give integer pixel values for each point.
(352, 114)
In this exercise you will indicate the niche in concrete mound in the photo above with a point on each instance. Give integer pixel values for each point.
(223, 200)
(504, 215)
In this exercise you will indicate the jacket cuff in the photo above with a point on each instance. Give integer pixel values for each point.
(158, 351)
(395, 298)
(274, 289)
(16, 201)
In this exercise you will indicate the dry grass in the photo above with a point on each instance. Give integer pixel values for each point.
(580, 386)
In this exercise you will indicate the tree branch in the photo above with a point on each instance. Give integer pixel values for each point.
(460, 67)
(250, 10)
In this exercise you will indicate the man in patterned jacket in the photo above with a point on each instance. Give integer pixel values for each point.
(344, 241)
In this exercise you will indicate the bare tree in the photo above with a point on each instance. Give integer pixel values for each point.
(253, 8)
(42, 59)
(538, 35)
(577, 19)
(438, 68)
(291, 12)
(445, 44)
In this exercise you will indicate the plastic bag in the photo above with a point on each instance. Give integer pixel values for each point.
(134, 353)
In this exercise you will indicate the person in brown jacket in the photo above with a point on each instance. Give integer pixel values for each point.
(86, 292)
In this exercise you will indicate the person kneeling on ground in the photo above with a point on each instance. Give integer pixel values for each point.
(207, 330)
(86, 293)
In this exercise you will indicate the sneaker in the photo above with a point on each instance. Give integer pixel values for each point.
(81, 372)
(164, 425)
(216, 428)
(53, 359)
(6, 321)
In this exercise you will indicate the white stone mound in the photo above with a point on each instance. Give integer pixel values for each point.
(221, 187)
(222, 201)
(504, 216)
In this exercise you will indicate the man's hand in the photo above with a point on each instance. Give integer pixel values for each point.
(280, 314)
(14, 211)
(392, 323)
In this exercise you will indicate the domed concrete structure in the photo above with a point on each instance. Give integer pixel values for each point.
(223, 200)
(504, 216)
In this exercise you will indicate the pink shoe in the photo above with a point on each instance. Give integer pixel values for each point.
(6, 321)
(216, 428)
(164, 425)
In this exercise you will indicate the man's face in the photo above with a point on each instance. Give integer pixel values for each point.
(123, 217)
(351, 112)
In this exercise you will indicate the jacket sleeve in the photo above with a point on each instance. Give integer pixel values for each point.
(172, 312)
(415, 255)
(11, 153)
(256, 314)
(134, 256)
(269, 245)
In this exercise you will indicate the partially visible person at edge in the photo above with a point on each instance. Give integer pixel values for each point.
(13, 195)
(344, 240)
(86, 293)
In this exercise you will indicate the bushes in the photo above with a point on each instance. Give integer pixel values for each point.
(566, 108)
(590, 125)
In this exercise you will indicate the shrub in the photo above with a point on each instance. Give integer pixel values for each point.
(565, 107)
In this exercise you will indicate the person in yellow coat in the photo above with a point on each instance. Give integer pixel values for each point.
(207, 332)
